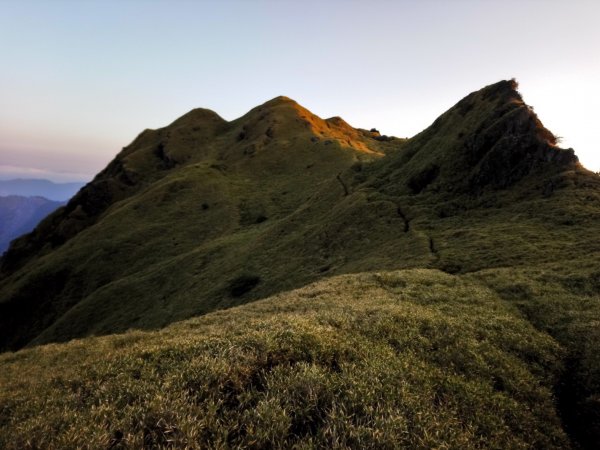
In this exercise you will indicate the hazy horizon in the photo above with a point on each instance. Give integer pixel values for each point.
(81, 80)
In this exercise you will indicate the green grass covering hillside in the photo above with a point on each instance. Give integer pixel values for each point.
(407, 359)
(174, 240)
(486, 335)
(563, 300)
(286, 198)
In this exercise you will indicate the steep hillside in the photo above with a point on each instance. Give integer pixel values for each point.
(20, 215)
(205, 214)
(181, 212)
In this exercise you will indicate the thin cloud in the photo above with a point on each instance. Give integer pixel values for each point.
(8, 171)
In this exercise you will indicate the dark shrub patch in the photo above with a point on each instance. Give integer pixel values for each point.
(384, 138)
(166, 162)
(421, 180)
(450, 268)
(516, 291)
(243, 284)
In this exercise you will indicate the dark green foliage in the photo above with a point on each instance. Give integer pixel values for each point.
(243, 284)
(420, 181)
(384, 138)
(165, 161)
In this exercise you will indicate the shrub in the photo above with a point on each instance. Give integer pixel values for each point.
(243, 284)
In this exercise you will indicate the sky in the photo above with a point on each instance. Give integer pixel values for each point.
(79, 80)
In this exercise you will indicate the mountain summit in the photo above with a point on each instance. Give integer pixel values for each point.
(489, 138)
(477, 240)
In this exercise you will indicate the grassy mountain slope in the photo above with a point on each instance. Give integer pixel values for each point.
(406, 359)
(204, 215)
(562, 299)
(189, 199)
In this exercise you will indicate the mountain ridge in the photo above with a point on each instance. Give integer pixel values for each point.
(148, 157)
(205, 215)
(278, 141)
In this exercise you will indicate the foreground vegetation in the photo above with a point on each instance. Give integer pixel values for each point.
(412, 359)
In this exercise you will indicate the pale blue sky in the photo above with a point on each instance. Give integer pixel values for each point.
(80, 79)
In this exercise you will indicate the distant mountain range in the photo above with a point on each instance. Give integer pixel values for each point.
(24, 202)
(39, 187)
(20, 215)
